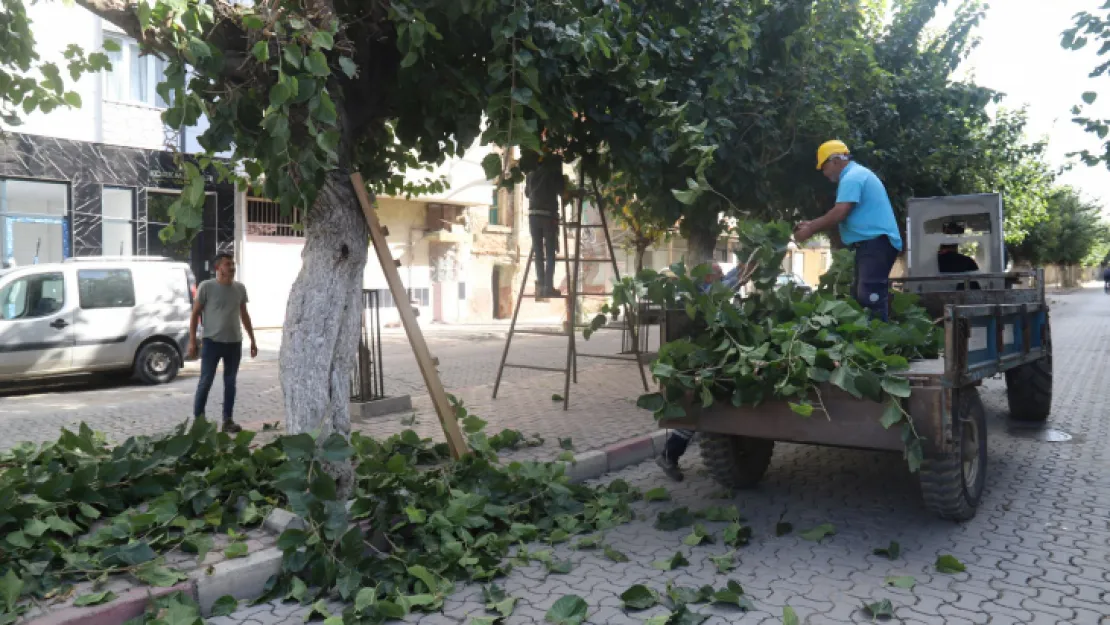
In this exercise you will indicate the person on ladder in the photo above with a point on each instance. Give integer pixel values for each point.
(544, 188)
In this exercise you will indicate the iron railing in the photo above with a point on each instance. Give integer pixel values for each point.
(368, 378)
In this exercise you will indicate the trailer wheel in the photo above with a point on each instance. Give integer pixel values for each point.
(1029, 389)
(952, 482)
(735, 461)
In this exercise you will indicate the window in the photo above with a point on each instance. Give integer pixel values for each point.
(32, 221)
(117, 224)
(385, 298)
(105, 288)
(422, 297)
(266, 219)
(134, 77)
(32, 297)
(493, 208)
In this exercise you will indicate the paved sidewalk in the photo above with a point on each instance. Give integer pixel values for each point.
(1038, 551)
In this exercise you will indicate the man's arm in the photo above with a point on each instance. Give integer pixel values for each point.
(245, 317)
(839, 213)
(194, 319)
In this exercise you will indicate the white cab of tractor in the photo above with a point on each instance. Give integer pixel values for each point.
(969, 226)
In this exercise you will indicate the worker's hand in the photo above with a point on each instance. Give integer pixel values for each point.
(804, 231)
(254, 349)
(191, 350)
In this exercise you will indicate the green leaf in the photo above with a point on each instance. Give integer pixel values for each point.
(10, 588)
(672, 563)
(901, 581)
(890, 552)
(556, 397)
(706, 397)
(411, 58)
(72, 98)
(725, 562)
(19, 539)
(896, 386)
(670, 520)
(236, 550)
(657, 494)
(566, 443)
(880, 609)
(639, 597)
(261, 51)
(915, 455)
(819, 532)
(279, 94)
(560, 567)
(686, 197)
(364, 599)
(317, 64)
(95, 598)
(348, 66)
(568, 610)
(721, 513)
(88, 511)
(614, 555)
(504, 607)
(35, 527)
(588, 542)
(651, 401)
(157, 575)
(1089, 97)
(323, 39)
(949, 564)
(225, 605)
(789, 616)
(803, 409)
(892, 414)
(737, 535)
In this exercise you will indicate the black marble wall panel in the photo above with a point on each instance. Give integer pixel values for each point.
(87, 234)
(87, 167)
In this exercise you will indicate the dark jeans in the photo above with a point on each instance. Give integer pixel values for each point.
(874, 260)
(676, 444)
(211, 353)
(545, 242)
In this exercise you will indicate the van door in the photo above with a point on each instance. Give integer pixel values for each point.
(104, 320)
(36, 325)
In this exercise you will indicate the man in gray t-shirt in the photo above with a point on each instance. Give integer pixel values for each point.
(221, 305)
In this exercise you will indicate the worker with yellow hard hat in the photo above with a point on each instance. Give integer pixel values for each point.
(866, 222)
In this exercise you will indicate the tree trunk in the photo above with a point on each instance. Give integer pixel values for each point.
(323, 318)
(701, 241)
(639, 262)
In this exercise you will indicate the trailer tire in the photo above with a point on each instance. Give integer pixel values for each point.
(735, 461)
(1029, 389)
(953, 481)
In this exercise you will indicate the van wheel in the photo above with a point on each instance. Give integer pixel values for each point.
(157, 363)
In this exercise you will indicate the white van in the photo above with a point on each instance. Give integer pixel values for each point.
(95, 314)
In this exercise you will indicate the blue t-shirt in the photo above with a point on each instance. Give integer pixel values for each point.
(872, 215)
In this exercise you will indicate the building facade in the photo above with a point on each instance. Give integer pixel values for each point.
(99, 179)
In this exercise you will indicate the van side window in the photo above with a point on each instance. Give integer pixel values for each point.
(35, 296)
(105, 288)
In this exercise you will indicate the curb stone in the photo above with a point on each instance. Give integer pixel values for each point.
(126, 606)
(245, 578)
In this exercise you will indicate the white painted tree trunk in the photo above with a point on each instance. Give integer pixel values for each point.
(324, 316)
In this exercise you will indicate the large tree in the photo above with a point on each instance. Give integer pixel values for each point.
(1073, 234)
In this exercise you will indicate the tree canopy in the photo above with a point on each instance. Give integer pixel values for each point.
(1073, 233)
(1091, 26)
(698, 109)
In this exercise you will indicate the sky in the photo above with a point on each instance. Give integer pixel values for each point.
(1020, 55)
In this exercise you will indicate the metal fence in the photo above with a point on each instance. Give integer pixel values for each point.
(368, 378)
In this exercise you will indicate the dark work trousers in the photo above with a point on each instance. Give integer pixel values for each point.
(211, 353)
(545, 242)
(676, 444)
(874, 260)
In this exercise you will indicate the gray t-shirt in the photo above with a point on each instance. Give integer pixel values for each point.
(219, 310)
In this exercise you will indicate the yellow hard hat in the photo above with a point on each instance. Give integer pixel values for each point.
(829, 148)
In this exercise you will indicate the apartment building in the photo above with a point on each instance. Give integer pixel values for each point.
(99, 179)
